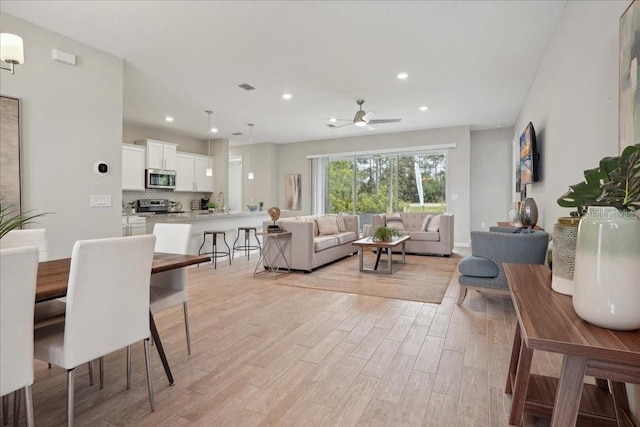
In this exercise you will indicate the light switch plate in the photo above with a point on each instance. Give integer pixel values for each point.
(100, 201)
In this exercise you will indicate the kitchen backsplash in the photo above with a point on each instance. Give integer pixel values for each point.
(184, 198)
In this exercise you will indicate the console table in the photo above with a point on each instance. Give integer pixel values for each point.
(547, 321)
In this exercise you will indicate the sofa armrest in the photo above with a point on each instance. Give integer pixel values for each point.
(377, 220)
(352, 223)
(446, 231)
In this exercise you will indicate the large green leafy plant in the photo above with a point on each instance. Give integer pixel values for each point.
(616, 182)
(11, 218)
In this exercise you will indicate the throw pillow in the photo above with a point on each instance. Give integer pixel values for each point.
(434, 224)
(327, 226)
(425, 223)
(394, 220)
(342, 225)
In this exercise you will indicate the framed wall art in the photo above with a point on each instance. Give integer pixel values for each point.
(293, 191)
(629, 126)
(10, 152)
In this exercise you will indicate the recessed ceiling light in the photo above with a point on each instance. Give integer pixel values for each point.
(424, 108)
(333, 120)
(402, 76)
(214, 130)
(169, 119)
(287, 96)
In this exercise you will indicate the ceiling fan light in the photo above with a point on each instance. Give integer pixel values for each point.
(360, 123)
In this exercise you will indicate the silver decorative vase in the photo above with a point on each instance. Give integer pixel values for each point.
(565, 233)
(529, 213)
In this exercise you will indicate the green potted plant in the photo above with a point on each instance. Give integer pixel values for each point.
(385, 234)
(608, 244)
(11, 218)
(212, 206)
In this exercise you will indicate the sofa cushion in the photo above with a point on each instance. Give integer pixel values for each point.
(476, 266)
(342, 225)
(434, 223)
(425, 236)
(394, 220)
(327, 226)
(346, 237)
(321, 243)
(425, 222)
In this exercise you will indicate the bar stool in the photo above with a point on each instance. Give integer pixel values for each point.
(215, 253)
(247, 241)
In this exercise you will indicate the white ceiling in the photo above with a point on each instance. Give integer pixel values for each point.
(470, 62)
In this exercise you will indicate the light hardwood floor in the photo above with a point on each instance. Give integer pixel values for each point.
(267, 354)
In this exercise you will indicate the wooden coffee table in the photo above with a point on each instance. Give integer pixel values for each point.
(387, 246)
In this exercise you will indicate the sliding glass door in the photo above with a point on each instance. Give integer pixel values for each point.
(374, 183)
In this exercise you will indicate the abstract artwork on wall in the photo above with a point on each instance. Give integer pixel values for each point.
(10, 152)
(630, 76)
(293, 191)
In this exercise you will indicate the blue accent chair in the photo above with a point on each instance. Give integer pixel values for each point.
(483, 269)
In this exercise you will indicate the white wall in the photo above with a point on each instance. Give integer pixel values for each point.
(292, 158)
(573, 101)
(573, 104)
(70, 118)
(491, 165)
(263, 161)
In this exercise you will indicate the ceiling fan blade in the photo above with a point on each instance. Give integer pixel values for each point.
(369, 127)
(345, 120)
(379, 121)
(368, 116)
(332, 126)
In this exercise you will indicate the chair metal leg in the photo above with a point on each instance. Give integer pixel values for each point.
(234, 244)
(224, 238)
(147, 358)
(128, 367)
(70, 392)
(101, 365)
(186, 326)
(5, 410)
(28, 402)
(16, 406)
(90, 364)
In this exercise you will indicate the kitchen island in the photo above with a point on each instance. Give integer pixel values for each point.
(203, 221)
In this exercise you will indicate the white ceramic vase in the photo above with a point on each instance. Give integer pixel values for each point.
(607, 269)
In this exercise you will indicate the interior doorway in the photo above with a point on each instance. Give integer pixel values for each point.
(234, 198)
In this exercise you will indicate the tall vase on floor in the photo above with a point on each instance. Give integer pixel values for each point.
(607, 268)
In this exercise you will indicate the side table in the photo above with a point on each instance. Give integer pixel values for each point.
(277, 243)
(547, 322)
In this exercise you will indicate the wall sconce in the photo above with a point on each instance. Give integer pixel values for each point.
(11, 50)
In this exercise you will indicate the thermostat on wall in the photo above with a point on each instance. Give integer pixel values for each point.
(101, 168)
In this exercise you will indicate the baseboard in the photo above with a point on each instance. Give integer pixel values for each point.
(462, 245)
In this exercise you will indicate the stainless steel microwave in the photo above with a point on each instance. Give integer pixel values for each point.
(159, 178)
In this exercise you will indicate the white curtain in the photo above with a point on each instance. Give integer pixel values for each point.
(319, 182)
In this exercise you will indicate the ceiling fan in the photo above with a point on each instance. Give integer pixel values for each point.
(362, 119)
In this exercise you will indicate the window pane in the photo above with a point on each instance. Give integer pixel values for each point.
(340, 186)
(421, 182)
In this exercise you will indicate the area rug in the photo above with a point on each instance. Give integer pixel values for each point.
(422, 278)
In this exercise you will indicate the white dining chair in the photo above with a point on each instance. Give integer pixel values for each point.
(107, 307)
(169, 288)
(48, 311)
(18, 275)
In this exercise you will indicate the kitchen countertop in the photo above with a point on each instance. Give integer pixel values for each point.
(202, 215)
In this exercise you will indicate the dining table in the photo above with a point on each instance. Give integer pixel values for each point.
(53, 277)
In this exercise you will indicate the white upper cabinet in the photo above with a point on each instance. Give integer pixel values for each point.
(203, 182)
(133, 161)
(160, 155)
(191, 173)
(185, 173)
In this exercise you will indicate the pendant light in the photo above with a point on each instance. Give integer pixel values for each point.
(250, 174)
(209, 171)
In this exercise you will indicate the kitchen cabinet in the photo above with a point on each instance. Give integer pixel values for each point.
(160, 155)
(133, 161)
(191, 173)
(133, 225)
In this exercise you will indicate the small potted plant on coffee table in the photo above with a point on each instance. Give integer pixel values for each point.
(385, 234)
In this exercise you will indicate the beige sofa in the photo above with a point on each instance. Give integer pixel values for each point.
(438, 242)
(310, 245)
